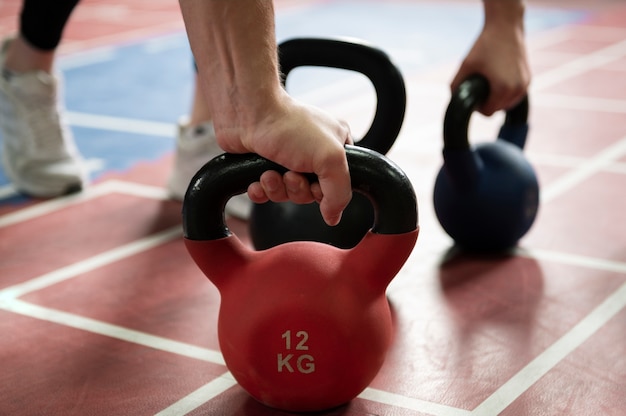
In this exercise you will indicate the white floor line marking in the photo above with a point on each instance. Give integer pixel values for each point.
(166, 43)
(588, 326)
(126, 125)
(573, 102)
(564, 161)
(551, 37)
(327, 97)
(113, 331)
(102, 13)
(86, 58)
(51, 205)
(139, 190)
(553, 159)
(547, 360)
(597, 33)
(201, 396)
(7, 191)
(574, 260)
(547, 38)
(348, 87)
(212, 389)
(579, 66)
(76, 57)
(95, 191)
(9, 302)
(410, 403)
(593, 165)
(619, 167)
(136, 37)
(91, 263)
(95, 164)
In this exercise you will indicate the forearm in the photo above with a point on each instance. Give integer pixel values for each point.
(234, 44)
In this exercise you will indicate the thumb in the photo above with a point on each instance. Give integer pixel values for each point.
(332, 206)
(334, 194)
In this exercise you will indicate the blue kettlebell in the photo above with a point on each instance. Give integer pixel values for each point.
(486, 196)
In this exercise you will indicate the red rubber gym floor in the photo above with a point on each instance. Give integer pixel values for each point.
(102, 311)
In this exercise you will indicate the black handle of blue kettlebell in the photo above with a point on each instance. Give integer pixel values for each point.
(366, 59)
(468, 96)
(372, 174)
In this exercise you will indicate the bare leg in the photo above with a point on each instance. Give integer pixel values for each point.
(21, 56)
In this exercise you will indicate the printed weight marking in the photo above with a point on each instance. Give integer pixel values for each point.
(300, 334)
(305, 363)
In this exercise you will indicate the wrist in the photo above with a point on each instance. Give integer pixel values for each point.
(244, 116)
(504, 12)
(244, 107)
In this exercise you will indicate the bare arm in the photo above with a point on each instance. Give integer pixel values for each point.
(499, 53)
(234, 44)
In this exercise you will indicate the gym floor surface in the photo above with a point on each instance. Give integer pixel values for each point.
(102, 311)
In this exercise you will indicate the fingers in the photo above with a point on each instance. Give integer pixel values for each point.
(273, 186)
(333, 192)
(503, 93)
(303, 138)
(502, 97)
(256, 193)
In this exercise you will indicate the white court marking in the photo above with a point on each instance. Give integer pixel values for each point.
(95, 326)
(495, 403)
(201, 396)
(585, 170)
(548, 359)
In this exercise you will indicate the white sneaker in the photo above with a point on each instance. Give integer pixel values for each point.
(39, 154)
(196, 145)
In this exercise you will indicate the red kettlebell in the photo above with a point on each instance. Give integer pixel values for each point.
(303, 326)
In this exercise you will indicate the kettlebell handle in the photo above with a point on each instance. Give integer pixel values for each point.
(372, 174)
(464, 101)
(366, 59)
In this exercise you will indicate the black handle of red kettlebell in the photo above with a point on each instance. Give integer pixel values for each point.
(468, 96)
(366, 59)
(372, 174)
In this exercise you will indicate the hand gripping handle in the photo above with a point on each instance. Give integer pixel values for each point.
(356, 56)
(471, 93)
(372, 174)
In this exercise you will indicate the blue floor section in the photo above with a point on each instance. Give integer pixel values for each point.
(153, 80)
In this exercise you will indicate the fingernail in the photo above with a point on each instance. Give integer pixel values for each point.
(272, 185)
(332, 221)
(293, 189)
